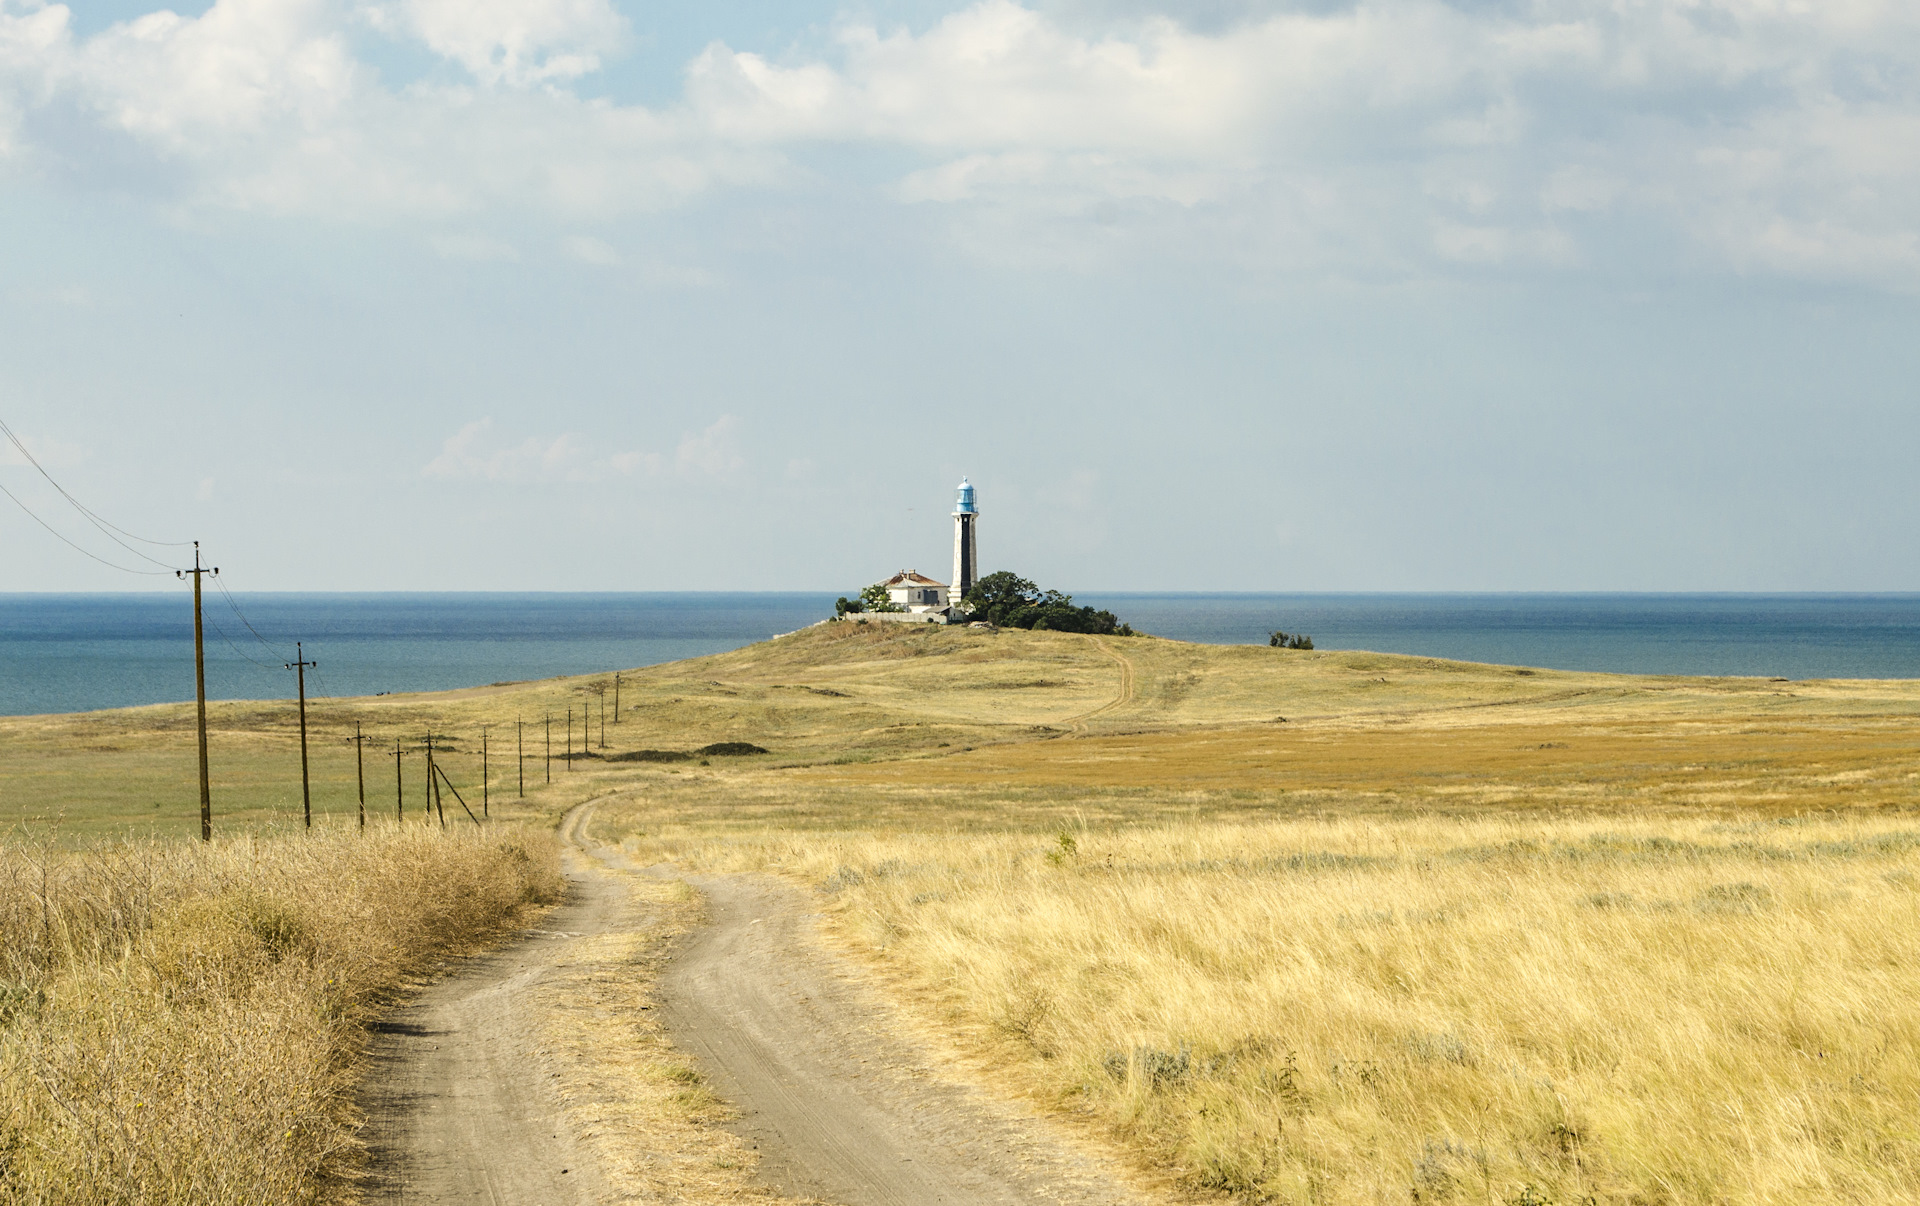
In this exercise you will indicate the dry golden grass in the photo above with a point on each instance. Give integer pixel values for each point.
(1178, 729)
(1494, 1010)
(179, 1023)
(647, 1111)
(1444, 932)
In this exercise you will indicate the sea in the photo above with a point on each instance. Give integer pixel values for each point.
(80, 652)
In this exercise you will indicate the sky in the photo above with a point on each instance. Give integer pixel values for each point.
(1200, 294)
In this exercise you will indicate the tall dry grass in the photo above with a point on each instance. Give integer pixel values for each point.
(179, 1023)
(1427, 1010)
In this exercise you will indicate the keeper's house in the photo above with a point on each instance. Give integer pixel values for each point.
(922, 597)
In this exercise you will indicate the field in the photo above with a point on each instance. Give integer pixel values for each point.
(871, 726)
(1293, 926)
(1428, 1009)
(181, 1023)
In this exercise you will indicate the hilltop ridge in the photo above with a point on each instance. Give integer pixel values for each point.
(938, 697)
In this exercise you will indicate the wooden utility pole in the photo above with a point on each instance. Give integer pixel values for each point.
(616, 698)
(399, 785)
(456, 795)
(603, 715)
(200, 691)
(360, 772)
(483, 773)
(549, 762)
(299, 666)
(520, 756)
(433, 789)
(568, 756)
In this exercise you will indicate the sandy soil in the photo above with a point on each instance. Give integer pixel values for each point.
(459, 1102)
(839, 1104)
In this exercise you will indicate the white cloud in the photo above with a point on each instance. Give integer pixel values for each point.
(259, 105)
(180, 84)
(477, 453)
(513, 42)
(474, 454)
(711, 452)
(1392, 135)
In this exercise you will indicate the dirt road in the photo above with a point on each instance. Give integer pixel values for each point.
(459, 1108)
(839, 1107)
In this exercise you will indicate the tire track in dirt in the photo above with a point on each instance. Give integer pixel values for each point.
(1121, 698)
(458, 1099)
(839, 1104)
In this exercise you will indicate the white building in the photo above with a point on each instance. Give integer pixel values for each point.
(915, 591)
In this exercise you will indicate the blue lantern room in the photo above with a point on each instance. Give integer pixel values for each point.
(965, 504)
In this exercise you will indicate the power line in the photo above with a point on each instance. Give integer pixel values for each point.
(81, 507)
(235, 605)
(325, 686)
(222, 634)
(84, 552)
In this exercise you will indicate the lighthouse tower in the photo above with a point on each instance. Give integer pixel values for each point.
(966, 553)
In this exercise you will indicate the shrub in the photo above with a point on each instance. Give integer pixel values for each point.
(646, 756)
(1011, 601)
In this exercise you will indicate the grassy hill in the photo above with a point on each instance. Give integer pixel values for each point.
(1287, 926)
(928, 720)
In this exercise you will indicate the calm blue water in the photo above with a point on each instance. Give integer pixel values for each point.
(64, 653)
(1788, 636)
(70, 653)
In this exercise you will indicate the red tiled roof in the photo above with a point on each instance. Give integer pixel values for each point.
(911, 578)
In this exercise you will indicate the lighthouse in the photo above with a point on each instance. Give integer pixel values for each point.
(966, 553)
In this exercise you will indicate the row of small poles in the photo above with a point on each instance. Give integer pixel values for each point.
(436, 777)
(300, 665)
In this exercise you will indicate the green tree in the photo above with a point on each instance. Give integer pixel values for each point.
(1289, 640)
(875, 598)
(1007, 599)
(999, 595)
